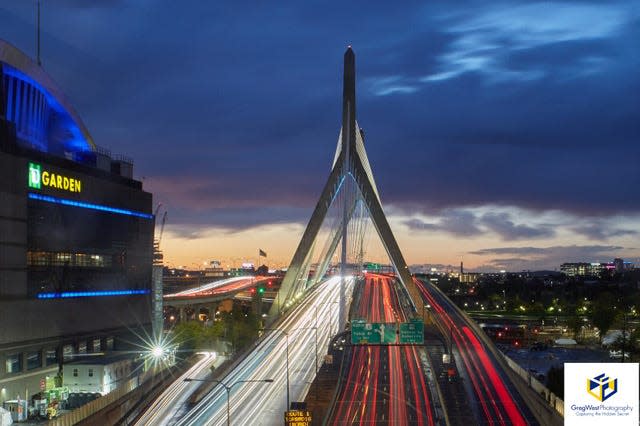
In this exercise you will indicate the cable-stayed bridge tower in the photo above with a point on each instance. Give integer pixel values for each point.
(350, 181)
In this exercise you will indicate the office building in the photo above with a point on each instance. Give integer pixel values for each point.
(76, 235)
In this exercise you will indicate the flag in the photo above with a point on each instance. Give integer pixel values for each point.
(262, 253)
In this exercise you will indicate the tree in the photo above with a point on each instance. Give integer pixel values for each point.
(603, 314)
(575, 325)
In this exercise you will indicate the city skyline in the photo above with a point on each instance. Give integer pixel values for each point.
(504, 136)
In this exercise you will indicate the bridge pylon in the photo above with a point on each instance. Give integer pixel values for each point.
(350, 163)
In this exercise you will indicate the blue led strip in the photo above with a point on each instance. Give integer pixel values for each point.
(65, 202)
(69, 294)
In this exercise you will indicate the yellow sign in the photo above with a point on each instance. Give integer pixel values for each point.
(39, 178)
(297, 418)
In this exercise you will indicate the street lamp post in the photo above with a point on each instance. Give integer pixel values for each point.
(330, 316)
(228, 389)
(286, 335)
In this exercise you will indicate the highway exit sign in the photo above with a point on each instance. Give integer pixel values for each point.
(373, 333)
(412, 332)
(387, 333)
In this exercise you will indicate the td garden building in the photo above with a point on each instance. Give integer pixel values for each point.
(76, 235)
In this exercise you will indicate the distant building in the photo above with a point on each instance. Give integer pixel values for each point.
(594, 269)
(470, 277)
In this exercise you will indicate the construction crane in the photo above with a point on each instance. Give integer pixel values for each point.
(164, 220)
(157, 253)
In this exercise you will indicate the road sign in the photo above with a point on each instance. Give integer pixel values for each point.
(374, 333)
(412, 332)
(297, 418)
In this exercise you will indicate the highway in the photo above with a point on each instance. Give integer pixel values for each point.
(219, 287)
(493, 398)
(262, 403)
(382, 384)
(167, 405)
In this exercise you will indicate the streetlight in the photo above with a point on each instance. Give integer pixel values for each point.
(315, 329)
(228, 388)
(330, 316)
(286, 335)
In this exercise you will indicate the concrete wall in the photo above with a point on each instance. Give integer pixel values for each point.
(555, 402)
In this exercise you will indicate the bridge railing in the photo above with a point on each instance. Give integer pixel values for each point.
(553, 400)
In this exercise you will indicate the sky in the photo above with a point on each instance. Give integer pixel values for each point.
(502, 134)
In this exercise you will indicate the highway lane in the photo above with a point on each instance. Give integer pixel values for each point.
(383, 384)
(265, 403)
(163, 409)
(219, 287)
(495, 401)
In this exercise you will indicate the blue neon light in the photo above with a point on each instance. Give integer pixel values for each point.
(74, 139)
(90, 206)
(69, 294)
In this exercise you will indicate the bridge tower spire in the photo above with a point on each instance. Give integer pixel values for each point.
(350, 162)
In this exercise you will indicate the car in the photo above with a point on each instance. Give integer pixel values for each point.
(618, 354)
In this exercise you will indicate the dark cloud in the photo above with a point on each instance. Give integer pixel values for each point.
(539, 258)
(458, 223)
(510, 250)
(245, 98)
(602, 231)
(501, 224)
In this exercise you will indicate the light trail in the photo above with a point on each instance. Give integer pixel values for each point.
(383, 384)
(264, 403)
(211, 286)
(497, 403)
(166, 405)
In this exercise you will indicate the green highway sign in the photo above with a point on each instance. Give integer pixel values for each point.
(412, 332)
(363, 332)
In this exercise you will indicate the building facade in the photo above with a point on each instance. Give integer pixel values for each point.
(595, 269)
(76, 235)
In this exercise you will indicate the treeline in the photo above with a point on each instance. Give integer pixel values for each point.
(239, 328)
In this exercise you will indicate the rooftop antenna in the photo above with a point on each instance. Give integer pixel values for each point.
(38, 34)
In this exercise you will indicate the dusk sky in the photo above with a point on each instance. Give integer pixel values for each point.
(504, 134)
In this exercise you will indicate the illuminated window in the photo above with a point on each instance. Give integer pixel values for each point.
(14, 363)
(51, 357)
(67, 352)
(82, 260)
(34, 360)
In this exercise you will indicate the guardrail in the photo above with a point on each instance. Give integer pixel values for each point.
(536, 385)
(540, 406)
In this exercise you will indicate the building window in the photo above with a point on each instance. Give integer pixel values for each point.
(51, 357)
(109, 343)
(91, 372)
(14, 363)
(82, 347)
(81, 260)
(75, 372)
(96, 345)
(67, 352)
(34, 360)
